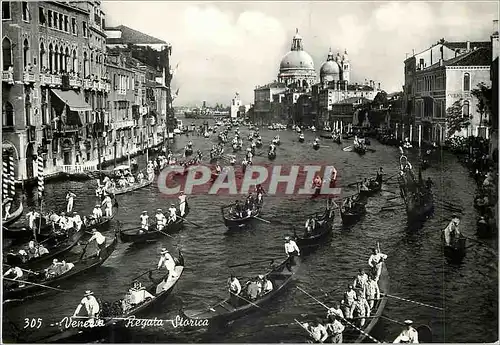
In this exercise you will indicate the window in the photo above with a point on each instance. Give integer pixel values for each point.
(465, 109)
(84, 26)
(26, 13)
(6, 53)
(41, 16)
(75, 62)
(73, 26)
(6, 10)
(466, 82)
(55, 20)
(51, 58)
(61, 22)
(26, 53)
(49, 19)
(43, 65)
(66, 22)
(8, 114)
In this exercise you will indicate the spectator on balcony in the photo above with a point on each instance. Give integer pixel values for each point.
(11, 69)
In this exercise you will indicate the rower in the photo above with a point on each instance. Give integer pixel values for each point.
(364, 186)
(317, 182)
(70, 196)
(32, 216)
(53, 270)
(99, 239)
(267, 285)
(109, 206)
(335, 329)
(335, 311)
(349, 300)
(238, 209)
(429, 183)
(144, 221)
(17, 271)
(91, 306)
(160, 219)
(172, 213)
(260, 192)
(451, 232)
(408, 334)
(167, 261)
(375, 262)
(363, 308)
(310, 226)
(291, 248)
(372, 291)
(253, 290)
(234, 290)
(218, 169)
(77, 220)
(361, 279)
(316, 330)
(182, 203)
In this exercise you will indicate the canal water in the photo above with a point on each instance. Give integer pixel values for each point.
(468, 293)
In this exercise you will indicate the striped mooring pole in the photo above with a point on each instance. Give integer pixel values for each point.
(5, 180)
(41, 186)
(11, 177)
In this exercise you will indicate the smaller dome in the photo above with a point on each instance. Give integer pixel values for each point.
(329, 68)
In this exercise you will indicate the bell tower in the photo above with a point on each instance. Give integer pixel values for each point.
(346, 67)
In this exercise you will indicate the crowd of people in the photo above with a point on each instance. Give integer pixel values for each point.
(253, 289)
(161, 221)
(249, 206)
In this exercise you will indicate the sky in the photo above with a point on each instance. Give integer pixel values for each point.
(226, 47)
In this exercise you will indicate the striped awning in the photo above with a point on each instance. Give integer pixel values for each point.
(73, 100)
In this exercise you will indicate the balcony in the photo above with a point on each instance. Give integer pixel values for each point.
(28, 77)
(31, 132)
(75, 82)
(63, 129)
(45, 79)
(56, 81)
(87, 84)
(72, 169)
(95, 85)
(122, 124)
(8, 77)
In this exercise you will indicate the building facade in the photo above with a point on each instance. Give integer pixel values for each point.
(49, 70)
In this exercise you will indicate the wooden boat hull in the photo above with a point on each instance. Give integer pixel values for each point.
(119, 191)
(359, 150)
(349, 218)
(301, 140)
(455, 253)
(321, 233)
(234, 223)
(271, 156)
(134, 236)
(14, 216)
(371, 191)
(80, 267)
(316, 147)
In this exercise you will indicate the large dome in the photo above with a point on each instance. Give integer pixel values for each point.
(329, 68)
(297, 59)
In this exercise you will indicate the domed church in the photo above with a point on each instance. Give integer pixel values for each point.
(297, 66)
(335, 70)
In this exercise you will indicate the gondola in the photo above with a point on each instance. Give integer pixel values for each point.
(301, 138)
(138, 236)
(484, 228)
(352, 335)
(324, 222)
(135, 186)
(354, 214)
(258, 143)
(372, 188)
(337, 139)
(316, 146)
(113, 315)
(14, 216)
(456, 252)
(233, 222)
(223, 312)
(80, 266)
(271, 155)
(188, 151)
(359, 149)
(419, 210)
(327, 134)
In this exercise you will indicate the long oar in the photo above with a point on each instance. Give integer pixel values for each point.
(305, 328)
(387, 179)
(140, 275)
(411, 301)
(251, 262)
(190, 221)
(347, 322)
(163, 233)
(26, 282)
(22, 269)
(262, 220)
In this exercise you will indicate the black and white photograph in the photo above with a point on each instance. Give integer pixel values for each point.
(249, 171)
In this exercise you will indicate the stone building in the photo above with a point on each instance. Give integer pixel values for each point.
(53, 75)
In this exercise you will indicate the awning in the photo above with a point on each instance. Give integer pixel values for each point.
(74, 101)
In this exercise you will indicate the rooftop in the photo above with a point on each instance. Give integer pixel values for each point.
(359, 87)
(352, 100)
(273, 85)
(476, 57)
(131, 36)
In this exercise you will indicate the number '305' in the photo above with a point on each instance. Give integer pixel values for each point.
(32, 323)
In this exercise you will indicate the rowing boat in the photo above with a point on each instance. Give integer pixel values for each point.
(14, 216)
(113, 314)
(372, 188)
(354, 214)
(135, 186)
(235, 222)
(324, 222)
(223, 312)
(271, 155)
(80, 266)
(139, 236)
(455, 252)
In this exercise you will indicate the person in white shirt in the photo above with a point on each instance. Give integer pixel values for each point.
(291, 248)
(7, 204)
(350, 299)
(372, 291)
(62, 221)
(91, 305)
(97, 212)
(172, 216)
(144, 220)
(167, 261)
(17, 271)
(32, 217)
(100, 240)
(335, 311)
(77, 220)
(234, 290)
(182, 203)
(363, 308)
(317, 331)
(361, 279)
(376, 261)
(335, 330)
(109, 206)
(70, 196)
(160, 219)
(409, 332)
(267, 286)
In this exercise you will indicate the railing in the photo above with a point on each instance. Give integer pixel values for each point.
(56, 80)
(87, 84)
(46, 79)
(75, 82)
(78, 168)
(66, 128)
(28, 77)
(8, 76)
(122, 124)
(95, 84)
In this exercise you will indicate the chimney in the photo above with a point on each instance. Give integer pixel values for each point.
(468, 46)
(378, 86)
(442, 53)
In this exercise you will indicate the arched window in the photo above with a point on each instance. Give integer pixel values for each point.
(51, 58)
(61, 59)
(8, 114)
(85, 65)
(466, 109)
(91, 66)
(26, 52)
(56, 59)
(75, 62)
(61, 22)
(466, 82)
(66, 60)
(6, 53)
(43, 64)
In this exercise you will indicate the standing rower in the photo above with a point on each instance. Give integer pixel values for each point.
(451, 232)
(144, 221)
(291, 248)
(182, 203)
(335, 329)
(167, 261)
(91, 305)
(32, 216)
(172, 216)
(160, 219)
(376, 261)
(99, 239)
(108, 210)
(70, 196)
(234, 290)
